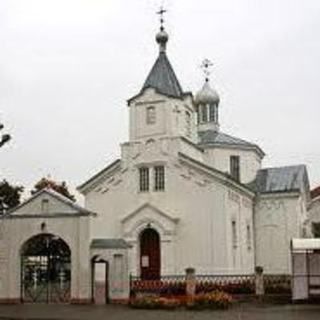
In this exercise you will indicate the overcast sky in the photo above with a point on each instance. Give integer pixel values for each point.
(67, 68)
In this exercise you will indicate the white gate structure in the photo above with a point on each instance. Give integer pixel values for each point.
(305, 268)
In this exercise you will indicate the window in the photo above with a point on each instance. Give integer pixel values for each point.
(248, 237)
(159, 180)
(234, 234)
(198, 115)
(235, 167)
(45, 206)
(151, 115)
(188, 124)
(216, 114)
(212, 112)
(204, 115)
(144, 179)
(316, 229)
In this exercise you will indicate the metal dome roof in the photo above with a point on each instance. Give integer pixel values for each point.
(207, 95)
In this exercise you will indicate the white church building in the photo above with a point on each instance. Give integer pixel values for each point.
(183, 194)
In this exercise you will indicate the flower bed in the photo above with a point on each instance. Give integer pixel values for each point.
(153, 302)
(212, 300)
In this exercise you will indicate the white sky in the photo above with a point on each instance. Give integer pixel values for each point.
(67, 68)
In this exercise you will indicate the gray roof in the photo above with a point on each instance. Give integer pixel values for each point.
(163, 79)
(218, 138)
(109, 244)
(281, 179)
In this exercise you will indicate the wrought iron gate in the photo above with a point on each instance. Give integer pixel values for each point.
(45, 270)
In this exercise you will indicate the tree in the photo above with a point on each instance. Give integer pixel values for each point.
(60, 187)
(5, 137)
(9, 195)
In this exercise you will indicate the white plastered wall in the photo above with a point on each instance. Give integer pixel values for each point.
(278, 219)
(240, 250)
(170, 115)
(195, 230)
(219, 158)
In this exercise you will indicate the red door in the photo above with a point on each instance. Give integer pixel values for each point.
(150, 254)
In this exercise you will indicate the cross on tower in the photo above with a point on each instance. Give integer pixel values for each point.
(161, 13)
(205, 66)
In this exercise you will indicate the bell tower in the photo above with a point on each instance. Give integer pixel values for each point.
(161, 108)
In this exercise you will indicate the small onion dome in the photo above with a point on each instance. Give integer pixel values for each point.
(162, 38)
(207, 95)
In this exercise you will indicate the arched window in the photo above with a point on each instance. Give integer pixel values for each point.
(188, 124)
(212, 114)
(235, 167)
(216, 114)
(151, 115)
(248, 237)
(234, 234)
(198, 115)
(204, 115)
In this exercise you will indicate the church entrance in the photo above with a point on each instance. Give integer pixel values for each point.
(150, 254)
(45, 270)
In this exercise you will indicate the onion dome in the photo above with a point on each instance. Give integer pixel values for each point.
(162, 38)
(207, 95)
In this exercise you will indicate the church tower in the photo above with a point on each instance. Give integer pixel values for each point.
(161, 109)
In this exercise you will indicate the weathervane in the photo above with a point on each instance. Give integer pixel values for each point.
(205, 66)
(161, 12)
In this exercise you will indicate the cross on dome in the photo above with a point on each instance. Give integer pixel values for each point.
(161, 13)
(205, 66)
(162, 36)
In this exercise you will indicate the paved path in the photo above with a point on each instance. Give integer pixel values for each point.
(114, 312)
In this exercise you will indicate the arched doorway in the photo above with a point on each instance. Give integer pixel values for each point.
(150, 255)
(45, 269)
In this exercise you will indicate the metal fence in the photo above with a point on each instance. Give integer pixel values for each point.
(277, 284)
(166, 285)
(233, 284)
(175, 285)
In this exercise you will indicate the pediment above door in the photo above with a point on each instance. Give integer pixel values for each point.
(145, 216)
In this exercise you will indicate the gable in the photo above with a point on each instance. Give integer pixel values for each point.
(48, 203)
(99, 177)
